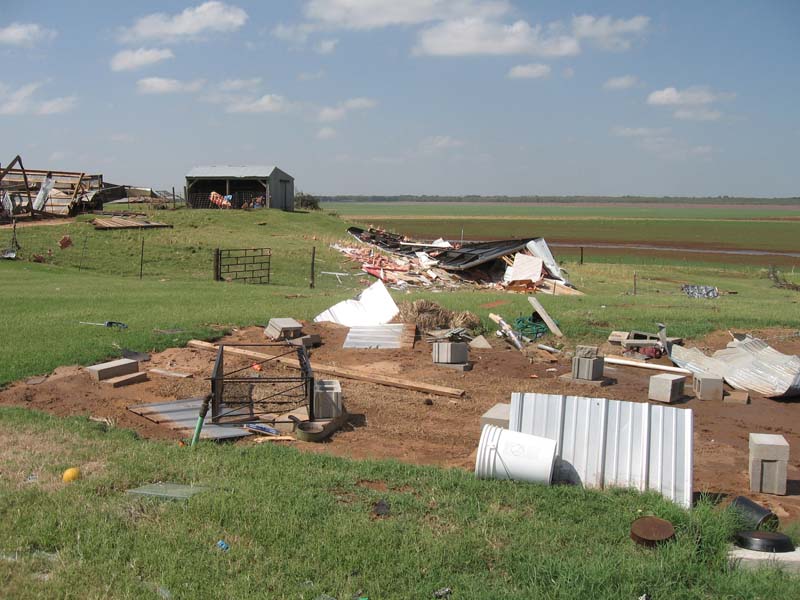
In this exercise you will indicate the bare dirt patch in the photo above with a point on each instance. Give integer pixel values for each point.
(425, 429)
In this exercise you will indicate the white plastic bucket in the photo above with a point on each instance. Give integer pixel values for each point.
(504, 454)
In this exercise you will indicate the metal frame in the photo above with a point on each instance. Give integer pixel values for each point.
(290, 390)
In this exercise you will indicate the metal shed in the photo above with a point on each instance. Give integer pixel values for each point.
(249, 186)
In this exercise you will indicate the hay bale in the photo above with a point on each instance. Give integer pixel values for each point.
(428, 315)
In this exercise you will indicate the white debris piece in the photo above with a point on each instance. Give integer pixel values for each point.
(373, 306)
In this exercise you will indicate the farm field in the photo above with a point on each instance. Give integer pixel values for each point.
(729, 228)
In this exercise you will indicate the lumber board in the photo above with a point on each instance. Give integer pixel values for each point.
(405, 384)
(551, 325)
(610, 360)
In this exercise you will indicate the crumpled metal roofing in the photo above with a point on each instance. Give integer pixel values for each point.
(748, 363)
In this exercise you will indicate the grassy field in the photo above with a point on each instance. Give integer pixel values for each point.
(299, 525)
(304, 536)
(566, 211)
(49, 300)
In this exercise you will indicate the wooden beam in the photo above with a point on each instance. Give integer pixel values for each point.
(551, 325)
(405, 384)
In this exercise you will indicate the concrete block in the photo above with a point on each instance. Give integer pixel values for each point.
(457, 366)
(768, 476)
(499, 416)
(114, 368)
(752, 559)
(602, 382)
(587, 368)
(128, 379)
(586, 351)
(480, 343)
(309, 341)
(450, 352)
(768, 446)
(666, 387)
(736, 397)
(327, 399)
(707, 387)
(283, 328)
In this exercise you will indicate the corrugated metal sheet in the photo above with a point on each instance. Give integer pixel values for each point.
(232, 171)
(747, 364)
(610, 443)
(378, 336)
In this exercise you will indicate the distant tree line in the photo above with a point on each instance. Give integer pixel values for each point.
(566, 199)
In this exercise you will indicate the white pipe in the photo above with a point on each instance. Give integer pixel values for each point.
(610, 360)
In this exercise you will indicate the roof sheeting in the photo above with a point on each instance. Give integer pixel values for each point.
(748, 363)
(233, 171)
(611, 443)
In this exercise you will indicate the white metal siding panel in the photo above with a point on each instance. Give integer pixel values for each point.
(602, 443)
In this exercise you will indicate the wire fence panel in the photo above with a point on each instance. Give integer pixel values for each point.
(250, 265)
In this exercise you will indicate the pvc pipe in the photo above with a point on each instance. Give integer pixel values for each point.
(504, 454)
(609, 360)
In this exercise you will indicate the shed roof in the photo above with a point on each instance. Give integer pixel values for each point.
(233, 171)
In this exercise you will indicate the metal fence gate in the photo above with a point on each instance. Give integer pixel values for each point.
(251, 265)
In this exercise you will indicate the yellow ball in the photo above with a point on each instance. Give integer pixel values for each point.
(72, 474)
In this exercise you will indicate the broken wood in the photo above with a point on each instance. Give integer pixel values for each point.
(405, 384)
(274, 438)
(610, 360)
(551, 325)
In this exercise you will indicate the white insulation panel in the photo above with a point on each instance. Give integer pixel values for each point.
(611, 443)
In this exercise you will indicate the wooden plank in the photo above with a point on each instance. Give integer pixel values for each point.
(337, 371)
(166, 373)
(128, 379)
(551, 325)
(114, 368)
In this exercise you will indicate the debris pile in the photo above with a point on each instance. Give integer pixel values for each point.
(515, 265)
(428, 315)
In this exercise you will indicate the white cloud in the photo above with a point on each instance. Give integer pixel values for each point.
(338, 112)
(691, 96)
(266, 103)
(473, 35)
(129, 60)
(310, 76)
(326, 133)
(326, 46)
(437, 143)
(609, 33)
(209, 17)
(241, 84)
(25, 34)
(531, 71)
(371, 14)
(297, 34)
(697, 114)
(620, 83)
(56, 106)
(160, 85)
(22, 101)
(670, 148)
(639, 131)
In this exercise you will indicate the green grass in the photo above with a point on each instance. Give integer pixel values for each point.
(495, 209)
(299, 525)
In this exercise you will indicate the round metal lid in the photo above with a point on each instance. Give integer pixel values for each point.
(649, 531)
(764, 541)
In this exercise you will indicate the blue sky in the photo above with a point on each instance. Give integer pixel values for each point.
(412, 97)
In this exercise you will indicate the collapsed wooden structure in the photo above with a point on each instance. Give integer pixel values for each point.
(38, 192)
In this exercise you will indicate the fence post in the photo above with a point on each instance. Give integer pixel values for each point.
(634, 283)
(313, 258)
(173, 197)
(217, 276)
(141, 260)
(581, 254)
